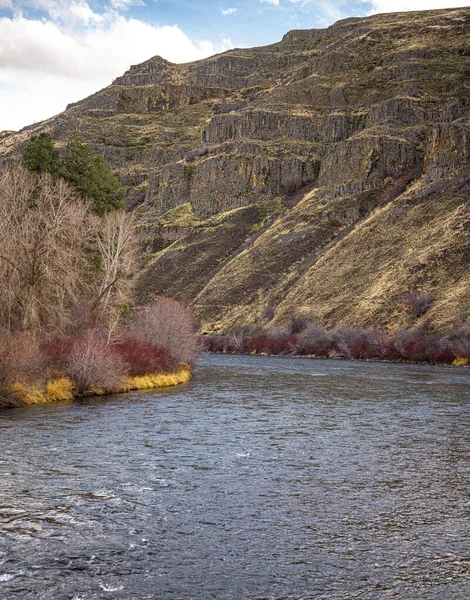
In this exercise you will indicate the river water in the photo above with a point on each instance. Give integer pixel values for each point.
(264, 478)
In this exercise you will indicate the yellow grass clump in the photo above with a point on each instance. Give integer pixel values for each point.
(59, 389)
(460, 362)
(26, 395)
(55, 391)
(156, 380)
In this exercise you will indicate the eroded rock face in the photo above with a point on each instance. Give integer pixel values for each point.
(173, 132)
(344, 121)
(447, 150)
(365, 162)
(268, 125)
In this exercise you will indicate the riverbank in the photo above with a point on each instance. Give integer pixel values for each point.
(463, 363)
(413, 347)
(62, 389)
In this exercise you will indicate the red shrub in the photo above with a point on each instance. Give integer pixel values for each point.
(143, 358)
(391, 352)
(56, 352)
(363, 349)
(284, 344)
(444, 354)
(317, 349)
(421, 348)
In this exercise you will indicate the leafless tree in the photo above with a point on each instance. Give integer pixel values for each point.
(48, 239)
(117, 246)
(20, 359)
(418, 302)
(46, 230)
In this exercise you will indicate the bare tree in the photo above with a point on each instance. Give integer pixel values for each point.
(44, 239)
(117, 246)
(20, 359)
(48, 238)
(418, 302)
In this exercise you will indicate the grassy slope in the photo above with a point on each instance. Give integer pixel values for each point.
(182, 269)
(334, 271)
(421, 240)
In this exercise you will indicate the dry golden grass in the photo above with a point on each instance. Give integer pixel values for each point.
(182, 269)
(57, 390)
(25, 394)
(420, 241)
(157, 380)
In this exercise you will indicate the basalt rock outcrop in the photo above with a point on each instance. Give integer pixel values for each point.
(324, 175)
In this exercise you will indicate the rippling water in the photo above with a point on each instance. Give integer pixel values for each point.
(264, 478)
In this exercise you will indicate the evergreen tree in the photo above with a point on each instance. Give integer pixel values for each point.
(90, 174)
(40, 156)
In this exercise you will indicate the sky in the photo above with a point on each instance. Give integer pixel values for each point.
(53, 52)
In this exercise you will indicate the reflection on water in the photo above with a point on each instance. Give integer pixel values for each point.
(264, 478)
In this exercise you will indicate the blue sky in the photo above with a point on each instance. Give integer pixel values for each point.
(53, 52)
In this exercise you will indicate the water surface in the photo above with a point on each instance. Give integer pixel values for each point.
(265, 478)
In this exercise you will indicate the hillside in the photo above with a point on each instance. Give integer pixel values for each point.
(324, 175)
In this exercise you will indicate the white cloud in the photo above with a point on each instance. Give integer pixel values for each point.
(66, 12)
(44, 65)
(82, 13)
(273, 2)
(227, 44)
(386, 6)
(229, 11)
(122, 4)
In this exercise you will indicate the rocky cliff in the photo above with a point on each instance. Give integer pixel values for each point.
(323, 175)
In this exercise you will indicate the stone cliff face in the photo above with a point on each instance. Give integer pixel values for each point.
(323, 175)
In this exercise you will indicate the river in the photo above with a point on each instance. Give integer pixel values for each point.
(262, 479)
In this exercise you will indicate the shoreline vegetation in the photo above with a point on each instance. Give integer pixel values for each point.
(68, 256)
(62, 389)
(301, 338)
(155, 348)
